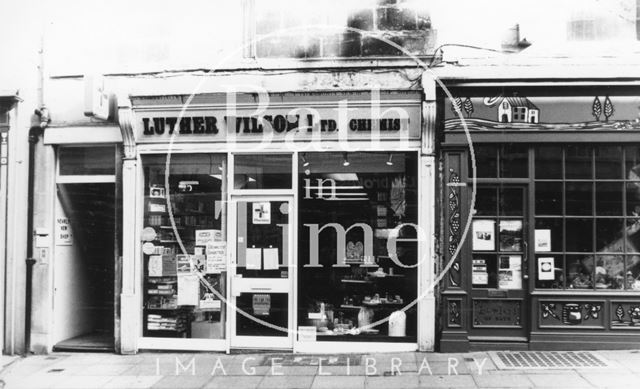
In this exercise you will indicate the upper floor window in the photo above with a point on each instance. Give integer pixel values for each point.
(333, 28)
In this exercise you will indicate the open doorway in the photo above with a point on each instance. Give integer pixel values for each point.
(84, 274)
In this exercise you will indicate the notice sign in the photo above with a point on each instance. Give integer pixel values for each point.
(307, 334)
(262, 213)
(207, 236)
(261, 304)
(216, 257)
(64, 236)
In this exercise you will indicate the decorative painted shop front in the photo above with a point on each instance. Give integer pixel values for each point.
(551, 258)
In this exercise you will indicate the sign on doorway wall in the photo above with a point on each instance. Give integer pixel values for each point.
(64, 235)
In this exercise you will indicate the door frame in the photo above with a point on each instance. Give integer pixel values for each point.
(489, 332)
(261, 342)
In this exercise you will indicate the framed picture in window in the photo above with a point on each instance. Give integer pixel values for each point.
(484, 235)
(510, 235)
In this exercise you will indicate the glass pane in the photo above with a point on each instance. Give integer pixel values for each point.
(632, 162)
(609, 272)
(272, 308)
(579, 198)
(550, 273)
(486, 161)
(87, 160)
(579, 272)
(510, 272)
(184, 245)
(609, 198)
(555, 225)
(579, 235)
(578, 162)
(510, 235)
(548, 162)
(608, 162)
(486, 201)
(511, 201)
(548, 198)
(514, 161)
(632, 276)
(271, 171)
(262, 239)
(633, 198)
(346, 248)
(484, 271)
(609, 235)
(632, 233)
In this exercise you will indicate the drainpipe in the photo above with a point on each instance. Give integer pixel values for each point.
(39, 121)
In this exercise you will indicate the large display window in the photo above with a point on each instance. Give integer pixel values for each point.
(586, 211)
(184, 246)
(357, 246)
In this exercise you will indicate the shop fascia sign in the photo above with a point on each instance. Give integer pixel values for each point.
(299, 123)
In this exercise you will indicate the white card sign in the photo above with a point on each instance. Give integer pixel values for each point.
(64, 236)
(543, 240)
(546, 267)
(307, 334)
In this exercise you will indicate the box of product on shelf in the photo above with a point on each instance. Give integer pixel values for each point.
(162, 266)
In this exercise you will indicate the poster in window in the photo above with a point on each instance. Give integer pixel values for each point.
(542, 240)
(188, 289)
(261, 304)
(510, 235)
(206, 236)
(484, 238)
(479, 274)
(271, 261)
(262, 212)
(510, 272)
(184, 264)
(546, 267)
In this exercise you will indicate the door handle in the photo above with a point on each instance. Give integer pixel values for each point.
(525, 260)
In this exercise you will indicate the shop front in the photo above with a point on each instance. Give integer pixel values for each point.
(540, 217)
(296, 225)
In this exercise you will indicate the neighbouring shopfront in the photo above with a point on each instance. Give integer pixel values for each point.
(546, 254)
(300, 225)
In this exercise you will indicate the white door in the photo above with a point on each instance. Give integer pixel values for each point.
(261, 272)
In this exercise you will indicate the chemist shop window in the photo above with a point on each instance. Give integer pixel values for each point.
(587, 217)
(183, 247)
(351, 205)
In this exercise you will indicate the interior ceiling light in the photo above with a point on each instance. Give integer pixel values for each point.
(345, 160)
(389, 161)
(305, 163)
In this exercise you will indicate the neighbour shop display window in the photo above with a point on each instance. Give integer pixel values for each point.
(352, 208)
(184, 253)
(587, 217)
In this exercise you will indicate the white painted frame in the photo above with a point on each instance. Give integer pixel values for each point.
(278, 285)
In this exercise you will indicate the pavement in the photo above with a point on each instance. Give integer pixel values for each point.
(212, 370)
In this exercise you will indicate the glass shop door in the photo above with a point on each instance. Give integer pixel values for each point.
(261, 272)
